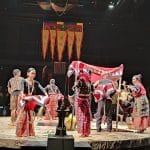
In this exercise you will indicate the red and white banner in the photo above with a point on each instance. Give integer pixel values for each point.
(99, 73)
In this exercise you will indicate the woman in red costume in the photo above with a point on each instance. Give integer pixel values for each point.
(26, 104)
(141, 104)
(82, 104)
(54, 94)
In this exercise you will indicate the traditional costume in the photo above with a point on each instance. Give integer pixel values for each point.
(141, 107)
(103, 94)
(82, 104)
(26, 106)
(14, 89)
(54, 94)
(96, 73)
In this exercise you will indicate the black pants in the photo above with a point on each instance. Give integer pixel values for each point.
(100, 112)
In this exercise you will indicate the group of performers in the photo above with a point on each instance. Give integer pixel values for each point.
(104, 90)
(24, 98)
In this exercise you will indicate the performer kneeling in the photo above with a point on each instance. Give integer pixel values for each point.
(103, 96)
(27, 102)
(141, 104)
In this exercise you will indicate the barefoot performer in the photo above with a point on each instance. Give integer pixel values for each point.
(141, 104)
(14, 89)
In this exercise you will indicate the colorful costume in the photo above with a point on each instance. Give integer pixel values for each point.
(96, 73)
(82, 105)
(141, 107)
(54, 95)
(26, 106)
(102, 94)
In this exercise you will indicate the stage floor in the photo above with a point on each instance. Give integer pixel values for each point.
(124, 138)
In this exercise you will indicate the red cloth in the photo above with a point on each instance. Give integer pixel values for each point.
(25, 119)
(104, 91)
(83, 117)
(98, 72)
(141, 92)
(141, 123)
(30, 105)
(51, 107)
(84, 76)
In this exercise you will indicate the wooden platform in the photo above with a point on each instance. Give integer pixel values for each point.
(123, 139)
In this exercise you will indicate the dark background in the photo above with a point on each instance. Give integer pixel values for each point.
(111, 37)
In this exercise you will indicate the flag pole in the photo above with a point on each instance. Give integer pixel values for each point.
(117, 111)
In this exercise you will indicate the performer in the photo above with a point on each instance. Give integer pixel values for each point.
(141, 104)
(27, 102)
(104, 89)
(126, 100)
(54, 94)
(14, 89)
(82, 103)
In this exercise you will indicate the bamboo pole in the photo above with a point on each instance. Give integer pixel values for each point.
(117, 112)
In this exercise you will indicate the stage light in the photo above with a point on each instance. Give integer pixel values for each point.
(111, 6)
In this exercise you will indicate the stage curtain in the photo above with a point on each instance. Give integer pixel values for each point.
(52, 42)
(79, 39)
(70, 40)
(61, 41)
(45, 40)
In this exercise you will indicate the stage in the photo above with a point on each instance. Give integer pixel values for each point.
(122, 139)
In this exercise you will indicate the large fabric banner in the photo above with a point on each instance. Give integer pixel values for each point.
(45, 40)
(97, 72)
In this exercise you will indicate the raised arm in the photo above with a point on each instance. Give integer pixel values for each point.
(42, 89)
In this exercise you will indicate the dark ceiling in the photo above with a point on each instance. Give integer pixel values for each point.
(111, 36)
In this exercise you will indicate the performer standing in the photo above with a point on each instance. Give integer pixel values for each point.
(104, 89)
(53, 93)
(141, 104)
(82, 103)
(27, 102)
(14, 89)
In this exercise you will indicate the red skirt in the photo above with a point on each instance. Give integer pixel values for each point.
(83, 117)
(25, 119)
(51, 107)
(141, 123)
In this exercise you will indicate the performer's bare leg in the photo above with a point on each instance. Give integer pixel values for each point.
(13, 117)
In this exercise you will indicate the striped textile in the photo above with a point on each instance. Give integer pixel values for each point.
(104, 91)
